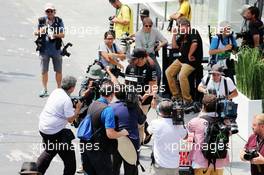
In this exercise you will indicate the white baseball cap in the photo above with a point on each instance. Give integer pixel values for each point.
(49, 6)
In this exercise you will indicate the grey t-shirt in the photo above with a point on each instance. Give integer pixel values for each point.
(148, 40)
(104, 48)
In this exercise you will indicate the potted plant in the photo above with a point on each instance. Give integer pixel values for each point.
(250, 83)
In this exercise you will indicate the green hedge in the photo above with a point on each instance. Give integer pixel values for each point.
(250, 73)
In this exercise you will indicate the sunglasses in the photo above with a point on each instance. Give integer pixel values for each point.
(49, 11)
(110, 38)
(149, 26)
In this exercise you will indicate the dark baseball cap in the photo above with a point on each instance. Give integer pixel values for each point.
(138, 53)
(144, 12)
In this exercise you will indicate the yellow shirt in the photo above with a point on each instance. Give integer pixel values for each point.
(185, 10)
(124, 13)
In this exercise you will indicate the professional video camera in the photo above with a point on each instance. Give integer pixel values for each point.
(126, 40)
(227, 112)
(179, 110)
(64, 51)
(111, 23)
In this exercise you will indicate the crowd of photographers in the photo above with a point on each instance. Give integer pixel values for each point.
(111, 114)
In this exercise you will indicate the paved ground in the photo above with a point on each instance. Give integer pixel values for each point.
(20, 80)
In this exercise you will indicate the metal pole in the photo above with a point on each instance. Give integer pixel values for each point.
(166, 9)
(137, 16)
(260, 6)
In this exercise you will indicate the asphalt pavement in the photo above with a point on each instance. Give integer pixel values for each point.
(20, 84)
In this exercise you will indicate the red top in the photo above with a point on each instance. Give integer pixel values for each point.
(252, 144)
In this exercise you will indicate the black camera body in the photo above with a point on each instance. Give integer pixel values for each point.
(64, 51)
(250, 154)
(126, 40)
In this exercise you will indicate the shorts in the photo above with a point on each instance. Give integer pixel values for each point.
(56, 60)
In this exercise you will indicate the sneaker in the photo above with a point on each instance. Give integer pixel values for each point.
(80, 170)
(43, 93)
(147, 139)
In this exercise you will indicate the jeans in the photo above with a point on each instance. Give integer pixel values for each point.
(181, 90)
(65, 152)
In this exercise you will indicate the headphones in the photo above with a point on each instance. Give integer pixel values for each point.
(164, 112)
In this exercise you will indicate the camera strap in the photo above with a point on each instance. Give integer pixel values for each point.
(259, 143)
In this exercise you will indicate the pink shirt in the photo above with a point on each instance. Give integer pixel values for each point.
(198, 126)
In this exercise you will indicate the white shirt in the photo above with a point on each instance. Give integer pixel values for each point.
(166, 142)
(220, 86)
(56, 112)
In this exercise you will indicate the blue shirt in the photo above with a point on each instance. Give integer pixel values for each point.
(107, 115)
(214, 43)
(128, 118)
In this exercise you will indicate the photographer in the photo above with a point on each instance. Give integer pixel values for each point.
(50, 33)
(166, 135)
(222, 45)
(128, 117)
(255, 33)
(188, 41)
(109, 53)
(103, 125)
(198, 126)
(184, 11)
(152, 41)
(217, 84)
(254, 150)
(57, 112)
(123, 20)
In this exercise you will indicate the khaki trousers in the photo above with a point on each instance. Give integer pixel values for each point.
(181, 89)
(210, 171)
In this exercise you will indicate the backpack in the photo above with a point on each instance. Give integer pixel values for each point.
(86, 130)
(215, 144)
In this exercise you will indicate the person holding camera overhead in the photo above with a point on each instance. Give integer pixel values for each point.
(123, 20)
(50, 33)
(222, 45)
(165, 158)
(110, 54)
(57, 112)
(254, 149)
